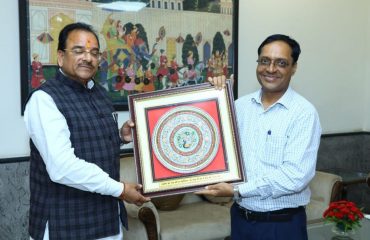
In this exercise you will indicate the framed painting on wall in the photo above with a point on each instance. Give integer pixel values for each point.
(185, 138)
(166, 44)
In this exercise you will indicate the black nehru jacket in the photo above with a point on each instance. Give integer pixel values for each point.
(73, 213)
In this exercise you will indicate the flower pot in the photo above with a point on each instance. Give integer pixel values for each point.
(340, 234)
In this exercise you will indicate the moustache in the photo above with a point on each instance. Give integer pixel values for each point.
(86, 64)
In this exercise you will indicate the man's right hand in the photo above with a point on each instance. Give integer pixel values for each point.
(131, 194)
(218, 190)
(125, 131)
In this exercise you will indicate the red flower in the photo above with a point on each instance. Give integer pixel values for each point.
(339, 215)
(344, 213)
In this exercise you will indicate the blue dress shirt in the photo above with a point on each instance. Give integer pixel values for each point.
(279, 147)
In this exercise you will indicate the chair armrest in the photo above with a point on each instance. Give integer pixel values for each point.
(148, 215)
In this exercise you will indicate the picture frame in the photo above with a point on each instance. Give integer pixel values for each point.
(185, 139)
(169, 31)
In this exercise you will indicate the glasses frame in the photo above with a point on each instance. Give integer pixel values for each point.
(83, 52)
(274, 62)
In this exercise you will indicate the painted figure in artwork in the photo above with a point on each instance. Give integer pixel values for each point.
(127, 44)
(190, 59)
(174, 76)
(130, 34)
(162, 70)
(139, 79)
(190, 75)
(225, 65)
(218, 65)
(103, 70)
(129, 85)
(149, 79)
(120, 79)
(141, 47)
(120, 29)
(37, 73)
(210, 66)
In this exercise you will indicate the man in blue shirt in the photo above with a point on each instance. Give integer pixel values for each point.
(280, 135)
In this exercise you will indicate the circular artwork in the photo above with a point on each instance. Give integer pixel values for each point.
(185, 139)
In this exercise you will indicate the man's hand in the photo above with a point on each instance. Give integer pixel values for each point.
(126, 135)
(220, 81)
(131, 194)
(218, 190)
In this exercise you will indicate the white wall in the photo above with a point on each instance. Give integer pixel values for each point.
(332, 71)
(366, 108)
(13, 138)
(332, 67)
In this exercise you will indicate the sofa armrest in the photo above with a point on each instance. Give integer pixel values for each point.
(326, 187)
(336, 194)
(148, 215)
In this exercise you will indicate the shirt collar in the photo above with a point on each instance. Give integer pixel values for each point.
(285, 100)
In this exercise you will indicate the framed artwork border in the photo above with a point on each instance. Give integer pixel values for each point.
(26, 54)
(24, 50)
(165, 118)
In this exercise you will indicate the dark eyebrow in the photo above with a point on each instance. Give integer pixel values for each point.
(81, 47)
(75, 47)
(274, 59)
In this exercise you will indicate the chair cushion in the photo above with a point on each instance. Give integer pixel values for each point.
(206, 221)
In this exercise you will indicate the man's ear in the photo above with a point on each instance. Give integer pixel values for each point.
(294, 68)
(60, 58)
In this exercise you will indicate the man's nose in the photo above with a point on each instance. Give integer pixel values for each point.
(272, 67)
(87, 56)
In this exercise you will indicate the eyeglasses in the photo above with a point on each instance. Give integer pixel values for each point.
(279, 62)
(79, 52)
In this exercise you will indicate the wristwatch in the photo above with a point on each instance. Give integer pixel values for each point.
(236, 197)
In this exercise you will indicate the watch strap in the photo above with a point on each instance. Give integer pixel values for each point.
(236, 197)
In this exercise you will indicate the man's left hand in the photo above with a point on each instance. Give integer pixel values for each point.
(218, 190)
(131, 194)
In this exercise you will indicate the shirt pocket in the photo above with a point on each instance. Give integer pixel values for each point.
(274, 150)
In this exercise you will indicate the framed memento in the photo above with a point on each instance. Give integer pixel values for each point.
(185, 138)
